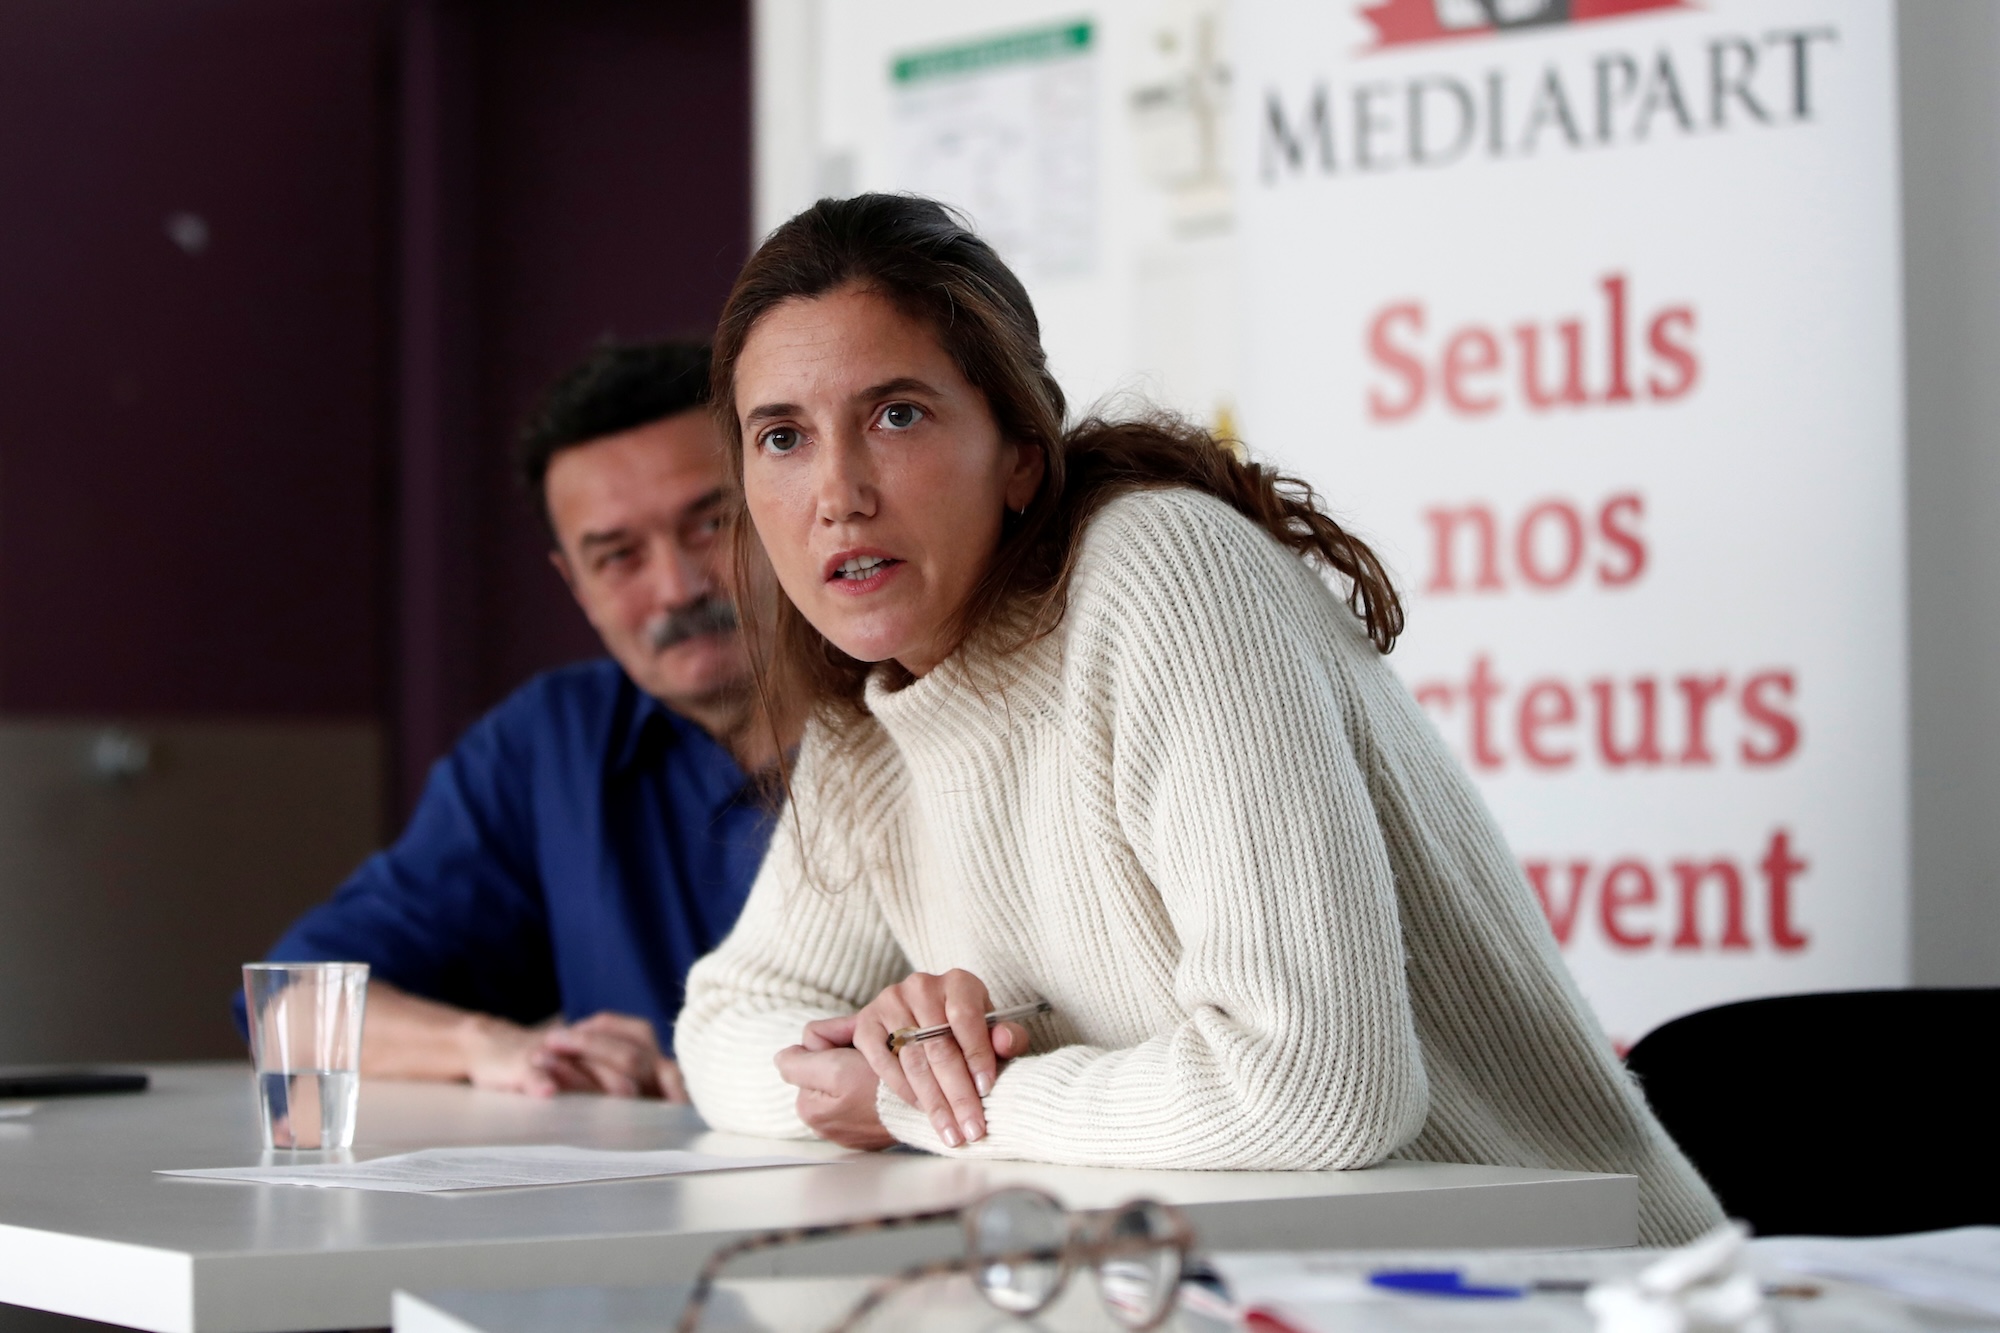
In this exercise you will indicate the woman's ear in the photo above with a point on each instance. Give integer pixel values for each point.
(1030, 461)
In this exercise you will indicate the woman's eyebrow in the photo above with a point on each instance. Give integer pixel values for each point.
(903, 384)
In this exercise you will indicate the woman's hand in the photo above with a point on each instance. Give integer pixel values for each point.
(945, 1078)
(836, 1086)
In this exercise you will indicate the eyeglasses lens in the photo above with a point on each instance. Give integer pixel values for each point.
(1140, 1274)
(1015, 1240)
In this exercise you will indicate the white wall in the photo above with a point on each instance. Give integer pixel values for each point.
(1950, 56)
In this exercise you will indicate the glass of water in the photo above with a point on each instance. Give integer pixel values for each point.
(305, 1039)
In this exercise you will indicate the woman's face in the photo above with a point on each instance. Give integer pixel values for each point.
(874, 472)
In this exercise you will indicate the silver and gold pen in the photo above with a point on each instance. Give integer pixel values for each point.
(902, 1037)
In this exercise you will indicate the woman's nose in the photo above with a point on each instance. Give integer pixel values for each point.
(846, 480)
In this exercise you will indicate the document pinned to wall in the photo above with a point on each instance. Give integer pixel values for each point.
(507, 1166)
(1004, 127)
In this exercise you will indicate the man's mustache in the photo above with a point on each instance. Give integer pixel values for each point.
(710, 615)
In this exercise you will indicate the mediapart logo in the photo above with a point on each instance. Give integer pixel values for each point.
(1400, 22)
(1685, 79)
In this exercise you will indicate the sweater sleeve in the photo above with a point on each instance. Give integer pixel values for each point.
(1205, 665)
(802, 950)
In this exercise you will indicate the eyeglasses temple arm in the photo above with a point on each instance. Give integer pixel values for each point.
(704, 1282)
(882, 1290)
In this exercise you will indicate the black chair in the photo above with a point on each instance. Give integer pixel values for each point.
(1853, 1113)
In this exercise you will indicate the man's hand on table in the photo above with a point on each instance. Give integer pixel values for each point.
(407, 1036)
(616, 1054)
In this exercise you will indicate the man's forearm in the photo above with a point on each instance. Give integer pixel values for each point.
(407, 1036)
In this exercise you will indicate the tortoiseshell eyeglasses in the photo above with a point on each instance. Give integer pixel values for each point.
(1020, 1248)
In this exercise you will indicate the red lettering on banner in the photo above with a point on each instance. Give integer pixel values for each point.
(1627, 899)
(1572, 393)
(1562, 916)
(1397, 362)
(1471, 367)
(1482, 689)
(1551, 545)
(1699, 692)
(1444, 531)
(1470, 352)
(1646, 749)
(1780, 868)
(1536, 719)
(1642, 722)
(1627, 541)
(1614, 296)
(1569, 543)
(1783, 727)
(1676, 355)
(1689, 875)
(1626, 885)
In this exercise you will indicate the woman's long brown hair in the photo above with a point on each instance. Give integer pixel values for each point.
(917, 255)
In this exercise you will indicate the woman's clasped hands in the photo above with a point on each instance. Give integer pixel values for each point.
(840, 1062)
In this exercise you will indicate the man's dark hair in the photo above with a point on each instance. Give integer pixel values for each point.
(618, 387)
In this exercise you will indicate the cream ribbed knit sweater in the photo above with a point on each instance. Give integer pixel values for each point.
(1278, 927)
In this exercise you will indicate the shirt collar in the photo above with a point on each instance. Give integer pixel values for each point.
(649, 717)
(654, 728)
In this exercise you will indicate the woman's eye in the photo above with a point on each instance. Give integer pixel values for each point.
(781, 440)
(901, 416)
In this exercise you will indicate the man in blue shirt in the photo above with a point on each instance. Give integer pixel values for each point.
(597, 832)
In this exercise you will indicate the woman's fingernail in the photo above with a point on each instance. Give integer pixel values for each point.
(984, 1082)
(949, 1135)
(974, 1131)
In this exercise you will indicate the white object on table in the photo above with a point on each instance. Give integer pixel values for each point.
(88, 1229)
(1700, 1288)
(17, 1110)
(502, 1166)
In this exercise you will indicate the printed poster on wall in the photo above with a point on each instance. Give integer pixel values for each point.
(1589, 314)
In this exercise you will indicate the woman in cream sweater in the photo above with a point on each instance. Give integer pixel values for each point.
(1089, 724)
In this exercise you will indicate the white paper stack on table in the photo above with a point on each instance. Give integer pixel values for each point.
(505, 1166)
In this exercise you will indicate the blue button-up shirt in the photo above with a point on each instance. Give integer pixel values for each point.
(580, 848)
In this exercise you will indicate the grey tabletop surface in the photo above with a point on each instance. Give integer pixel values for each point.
(86, 1167)
(88, 1227)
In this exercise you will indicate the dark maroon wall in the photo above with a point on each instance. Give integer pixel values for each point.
(191, 444)
(615, 179)
(571, 169)
(271, 477)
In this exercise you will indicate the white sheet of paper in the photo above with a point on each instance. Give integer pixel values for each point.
(1958, 1267)
(17, 1110)
(438, 1170)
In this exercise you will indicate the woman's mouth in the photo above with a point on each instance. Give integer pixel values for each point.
(862, 573)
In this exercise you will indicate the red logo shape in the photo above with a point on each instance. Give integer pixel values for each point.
(1398, 22)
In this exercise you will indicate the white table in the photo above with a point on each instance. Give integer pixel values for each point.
(87, 1229)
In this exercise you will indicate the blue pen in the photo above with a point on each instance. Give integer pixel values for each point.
(1445, 1282)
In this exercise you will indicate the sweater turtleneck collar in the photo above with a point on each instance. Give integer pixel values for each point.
(961, 701)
